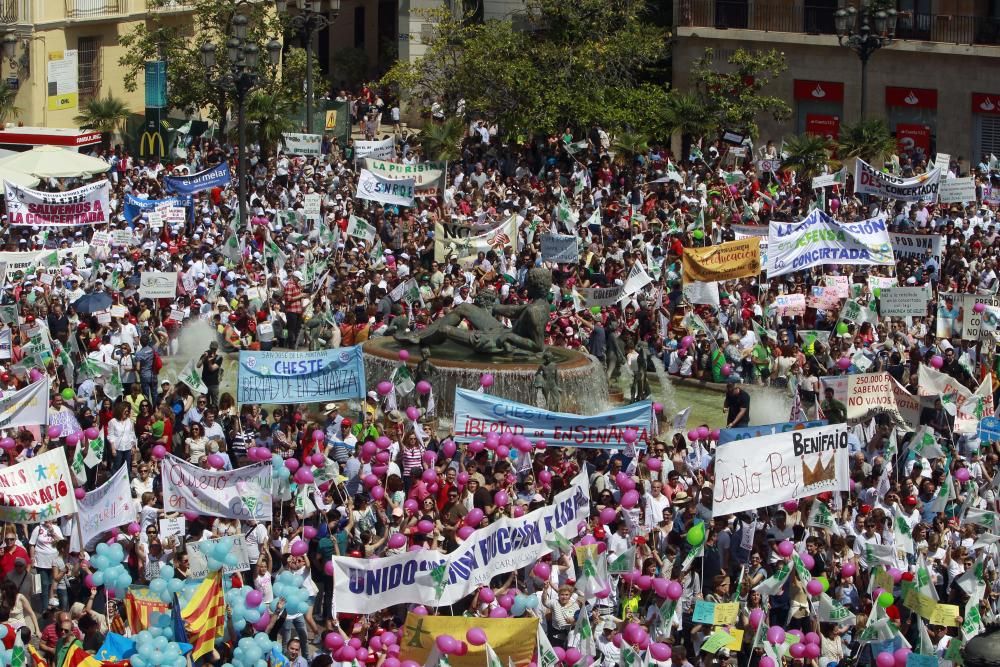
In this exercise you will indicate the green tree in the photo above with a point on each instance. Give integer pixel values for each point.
(8, 109)
(733, 99)
(807, 155)
(869, 140)
(628, 144)
(578, 63)
(163, 37)
(442, 141)
(688, 115)
(268, 118)
(106, 115)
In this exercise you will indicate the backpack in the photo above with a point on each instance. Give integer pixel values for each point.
(157, 362)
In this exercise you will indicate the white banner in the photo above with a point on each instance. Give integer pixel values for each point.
(957, 190)
(428, 177)
(108, 506)
(87, 205)
(199, 563)
(395, 191)
(26, 407)
(297, 143)
(560, 248)
(380, 150)
(366, 585)
(158, 285)
(39, 489)
(702, 293)
(360, 229)
(467, 243)
(785, 466)
(599, 296)
(904, 301)
(819, 240)
(233, 494)
(870, 181)
(915, 246)
(870, 394)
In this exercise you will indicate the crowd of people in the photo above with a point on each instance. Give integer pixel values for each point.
(297, 283)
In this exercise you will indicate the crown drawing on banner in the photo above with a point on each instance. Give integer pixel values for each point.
(819, 473)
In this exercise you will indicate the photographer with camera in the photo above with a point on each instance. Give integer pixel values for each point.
(210, 364)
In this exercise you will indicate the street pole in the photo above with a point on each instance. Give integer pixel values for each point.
(241, 165)
(307, 38)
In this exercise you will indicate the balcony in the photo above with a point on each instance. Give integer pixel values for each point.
(15, 12)
(816, 18)
(84, 10)
(165, 6)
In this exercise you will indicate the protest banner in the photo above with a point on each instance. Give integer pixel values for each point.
(136, 206)
(871, 181)
(785, 466)
(428, 177)
(199, 563)
(477, 415)
(86, 205)
(869, 394)
(466, 243)
(915, 246)
(505, 636)
(300, 377)
(698, 292)
(108, 506)
(379, 150)
(217, 176)
(298, 143)
(877, 283)
(19, 263)
(599, 296)
(957, 190)
(395, 191)
(824, 298)
(312, 204)
(360, 229)
(26, 407)
(904, 301)
(790, 305)
(560, 248)
(933, 383)
(244, 493)
(366, 585)
(725, 261)
(158, 285)
(819, 239)
(122, 237)
(841, 284)
(38, 489)
(728, 435)
(976, 325)
(827, 180)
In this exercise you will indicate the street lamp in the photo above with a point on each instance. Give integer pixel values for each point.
(238, 75)
(309, 19)
(854, 30)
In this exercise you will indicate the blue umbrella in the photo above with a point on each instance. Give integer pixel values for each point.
(88, 304)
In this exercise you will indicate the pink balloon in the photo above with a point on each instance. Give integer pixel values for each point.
(486, 380)
(979, 307)
(79, 493)
(474, 517)
(812, 638)
(727, 370)
(425, 526)
(404, 355)
(776, 634)
(848, 569)
(785, 549)
(299, 548)
(254, 598)
(475, 636)
(464, 532)
(660, 652)
(397, 541)
(319, 460)
(798, 650)
(319, 435)
(674, 590)
(377, 493)
(133, 528)
(545, 477)
(630, 435)
(654, 464)
(486, 595)
(191, 516)
(92, 433)
(412, 413)
(814, 587)
(572, 656)
(962, 474)
(498, 612)
(937, 362)
(608, 515)
(885, 659)
(411, 505)
(630, 499)
(756, 616)
(303, 476)
(812, 651)
(328, 568)
(54, 431)
(216, 462)
(159, 452)
(424, 387)
(518, 511)
(900, 656)
(308, 532)
(420, 610)
(766, 661)
(384, 387)
(292, 464)
(790, 506)
(500, 498)
(262, 622)
(542, 570)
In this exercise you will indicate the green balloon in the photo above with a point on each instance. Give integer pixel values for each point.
(825, 582)
(842, 328)
(696, 535)
(68, 394)
(596, 310)
(698, 234)
(885, 599)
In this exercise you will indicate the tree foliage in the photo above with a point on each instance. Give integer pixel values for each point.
(869, 140)
(268, 117)
(807, 155)
(579, 63)
(442, 141)
(732, 96)
(106, 115)
(163, 37)
(8, 108)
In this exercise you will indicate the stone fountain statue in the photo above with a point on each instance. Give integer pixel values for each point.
(640, 383)
(546, 384)
(486, 334)
(424, 371)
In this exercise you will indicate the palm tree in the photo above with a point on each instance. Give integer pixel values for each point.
(869, 140)
(807, 155)
(686, 114)
(442, 141)
(106, 115)
(8, 109)
(627, 144)
(268, 117)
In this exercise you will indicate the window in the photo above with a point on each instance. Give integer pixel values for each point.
(88, 68)
(359, 27)
(989, 135)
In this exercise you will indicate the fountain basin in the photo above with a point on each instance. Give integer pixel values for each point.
(581, 377)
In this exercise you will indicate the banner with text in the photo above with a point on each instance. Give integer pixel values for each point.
(380, 150)
(915, 246)
(87, 205)
(725, 261)
(366, 585)
(477, 415)
(871, 181)
(137, 206)
(297, 143)
(36, 490)
(244, 493)
(428, 177)
(904, 301)
(957, 190)
(466, 242)
(26, 407)
(560, 248)
(774, 468)
(394, 191)
(819, 239)
(728, 435)
(108, 506)
(217, 176)
(300, 377)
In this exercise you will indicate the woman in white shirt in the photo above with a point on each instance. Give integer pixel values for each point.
(121, 436)
(44, 554)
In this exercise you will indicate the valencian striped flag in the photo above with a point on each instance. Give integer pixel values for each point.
(205, 615)
(71, 654)
(140, 604)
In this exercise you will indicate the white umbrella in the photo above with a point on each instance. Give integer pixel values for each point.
(17, 178)
(55, 162)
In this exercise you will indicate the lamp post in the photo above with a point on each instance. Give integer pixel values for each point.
(310, 18)
(238, 75)
(865, 32)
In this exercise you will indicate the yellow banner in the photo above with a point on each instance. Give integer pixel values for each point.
(727, 261)
(509, 637)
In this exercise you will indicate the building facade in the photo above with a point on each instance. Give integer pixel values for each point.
(936, 84)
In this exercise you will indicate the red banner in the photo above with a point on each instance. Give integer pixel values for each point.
(910, 136)
(824, 125)
(986, 104)
(918, 98)
(819, 91)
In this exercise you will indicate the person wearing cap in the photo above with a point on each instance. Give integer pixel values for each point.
(210, 364)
